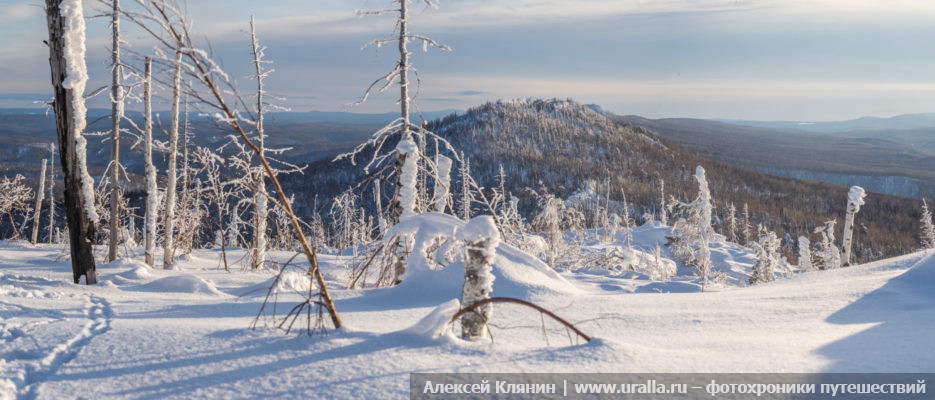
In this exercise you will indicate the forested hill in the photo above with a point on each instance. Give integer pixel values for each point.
(561, 145)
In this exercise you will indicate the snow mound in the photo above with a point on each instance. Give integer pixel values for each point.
(138, 273)
(179, 284)
(516, 273)
(433, 325)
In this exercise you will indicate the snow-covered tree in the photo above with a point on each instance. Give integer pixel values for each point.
(805, 254)
(171, 171)
(467, 195)
(663, 213)
(731, 223)
(51, 186)
(14, 199)
(745, 224)
(442, 183)
(66, 45)
(855, 199)
(694, 233)
(117, 113)
(40, 194)
(481, 238)
(927, 235)
(152, 191)
(407, 172)
(828, 255)
(767, 257)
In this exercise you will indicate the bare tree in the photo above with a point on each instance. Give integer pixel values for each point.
(407, 154)
(51, 192)
(116, 116)
(65, 20)
(169, 222)
(152, 193)
(199, 66)
(40, 193)
(855, 199)
(261, 213)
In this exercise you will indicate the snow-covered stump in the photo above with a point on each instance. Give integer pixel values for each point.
(805, 254)
(481, 239)
(855, 199)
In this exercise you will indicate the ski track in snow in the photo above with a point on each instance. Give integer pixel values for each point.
(30, 368)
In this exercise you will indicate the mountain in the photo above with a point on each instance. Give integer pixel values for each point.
(893, 162)
(562, 147)
(898, 122)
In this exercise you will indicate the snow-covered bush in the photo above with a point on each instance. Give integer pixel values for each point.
(14, 199)
(828, 256)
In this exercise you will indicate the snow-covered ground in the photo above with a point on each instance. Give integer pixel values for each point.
(185, 333)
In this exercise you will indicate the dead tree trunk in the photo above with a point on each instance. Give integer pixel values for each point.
(152, 195)
(40, 193)
(481, 238)
(116, 115)
(173, 154)
(51, 192)
(398, 209)
(260, 208)
(69, 123)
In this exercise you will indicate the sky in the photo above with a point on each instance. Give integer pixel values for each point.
(806, 60)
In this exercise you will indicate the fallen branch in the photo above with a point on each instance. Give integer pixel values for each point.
(473, 307)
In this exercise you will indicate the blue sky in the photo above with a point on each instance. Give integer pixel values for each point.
(765, 60)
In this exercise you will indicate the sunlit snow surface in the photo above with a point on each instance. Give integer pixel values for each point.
(184, 333)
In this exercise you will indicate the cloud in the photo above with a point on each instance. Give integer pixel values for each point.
(16, 12)
(470, 93)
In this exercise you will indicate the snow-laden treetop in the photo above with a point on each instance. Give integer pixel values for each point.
(856, 197)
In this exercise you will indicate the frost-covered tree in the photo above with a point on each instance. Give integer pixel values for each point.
(481, 238)
(117, 113)
(407, 155)
(442, 184)
(855, 199)
(767, 257)
(927, 235)
(169, 221)
(828, 255)
(51, 186)
(745, 224)
(694, 233)
(152, 191)
(732, 223)
(805, 254)
(66, 45)
(663, 213)
(14, 199)
(40, 194)
(467, 195)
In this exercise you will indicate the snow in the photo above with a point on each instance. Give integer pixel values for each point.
(856, 197)
(408, 176)
(442, 184)
(177, 340)
(76, 79)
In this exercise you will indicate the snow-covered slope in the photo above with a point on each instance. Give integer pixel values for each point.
(167, 334)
